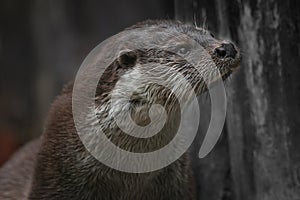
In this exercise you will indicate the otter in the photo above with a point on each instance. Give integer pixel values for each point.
(58, 166)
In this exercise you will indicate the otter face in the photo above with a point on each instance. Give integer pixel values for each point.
(225, 54)
(170, 56)
(179, 48)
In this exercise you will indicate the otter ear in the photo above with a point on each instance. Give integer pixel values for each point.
(127, 58)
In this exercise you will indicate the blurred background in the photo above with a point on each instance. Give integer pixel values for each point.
(42, 44)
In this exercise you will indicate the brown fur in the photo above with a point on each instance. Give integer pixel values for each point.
(16, 175)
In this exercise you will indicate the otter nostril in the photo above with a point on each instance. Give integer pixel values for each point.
(230, 50)
(221, 52)
(226, 50)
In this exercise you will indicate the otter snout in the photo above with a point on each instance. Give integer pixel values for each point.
(226, 50)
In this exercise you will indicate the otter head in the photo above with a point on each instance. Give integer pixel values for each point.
(164, 56)
(150, 65)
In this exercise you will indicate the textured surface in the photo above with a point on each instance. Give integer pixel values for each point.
(262, 120)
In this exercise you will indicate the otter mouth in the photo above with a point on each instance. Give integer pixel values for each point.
(227, 69)
(225, 65)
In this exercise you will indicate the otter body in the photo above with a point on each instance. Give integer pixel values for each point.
(65, 170)
(58, 166)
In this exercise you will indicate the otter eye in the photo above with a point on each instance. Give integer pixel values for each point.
(183, 51)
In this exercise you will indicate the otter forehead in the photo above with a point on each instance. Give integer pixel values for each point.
(200, 35)
(224, 53)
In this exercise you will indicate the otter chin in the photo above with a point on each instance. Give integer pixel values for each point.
(184, 58)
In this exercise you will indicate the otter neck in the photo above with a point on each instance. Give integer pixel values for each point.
(139, 112)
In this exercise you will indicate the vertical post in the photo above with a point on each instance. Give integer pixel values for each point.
(263, 112)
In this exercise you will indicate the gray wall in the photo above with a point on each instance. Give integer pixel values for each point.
(262, 135)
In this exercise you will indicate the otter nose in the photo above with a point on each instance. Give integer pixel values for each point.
(226, 50)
